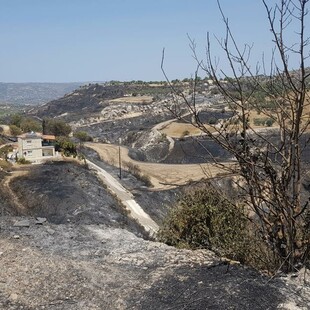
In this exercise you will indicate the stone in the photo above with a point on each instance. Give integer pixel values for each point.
(16, 236)
(50, 231)
(22, 223)
(40, 220)
(13, 297)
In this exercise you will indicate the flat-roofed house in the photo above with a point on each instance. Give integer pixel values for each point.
(35, 147)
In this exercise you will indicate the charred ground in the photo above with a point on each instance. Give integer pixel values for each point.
(66, 192)
(89, 254)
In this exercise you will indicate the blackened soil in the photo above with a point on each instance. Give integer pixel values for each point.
(125, 129)
(68, 192)
(217, 288)
(155, 203)
(195, 151)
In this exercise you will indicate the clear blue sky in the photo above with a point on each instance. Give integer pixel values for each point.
(99, 40)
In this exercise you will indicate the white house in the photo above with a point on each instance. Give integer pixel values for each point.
(35, 147)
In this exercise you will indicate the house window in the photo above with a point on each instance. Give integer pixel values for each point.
(29, 153)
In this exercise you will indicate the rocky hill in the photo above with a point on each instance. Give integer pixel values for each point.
(33, 93)
(67, 243)
(91, 99)
(87, 99)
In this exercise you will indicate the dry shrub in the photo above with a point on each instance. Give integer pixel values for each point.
(136, 171)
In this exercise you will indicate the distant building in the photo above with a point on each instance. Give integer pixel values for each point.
(35, 147)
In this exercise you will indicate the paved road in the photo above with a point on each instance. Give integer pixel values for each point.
(126, 198)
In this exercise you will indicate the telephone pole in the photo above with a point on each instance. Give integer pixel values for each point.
(119, 158)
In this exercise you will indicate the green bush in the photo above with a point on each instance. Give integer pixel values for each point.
(66, 146)
(212, 121)
(263, 121)
(269, 122)
(23, 161)
(259, 121)
(204, 218)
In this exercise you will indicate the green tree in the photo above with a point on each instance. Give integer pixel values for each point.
(16, 120)
(26, 124)
(83, 136)
(15, 131)
(56, 127)
(29, 124)
(65, 145)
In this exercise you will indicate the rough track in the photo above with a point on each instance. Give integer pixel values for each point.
(163, 176)
(127, 199)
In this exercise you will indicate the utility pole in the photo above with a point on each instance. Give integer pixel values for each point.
(119, 158)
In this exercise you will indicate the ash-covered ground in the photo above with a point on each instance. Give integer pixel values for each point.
(66, 192)
(98, 260)
(78, 267)
(156, 203)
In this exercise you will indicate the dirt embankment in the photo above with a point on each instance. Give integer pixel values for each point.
(66, 192)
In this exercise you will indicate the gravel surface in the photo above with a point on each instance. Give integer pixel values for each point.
(82, 267)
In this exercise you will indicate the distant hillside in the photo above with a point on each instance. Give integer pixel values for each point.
(93, 98)
(33, 93)
(86, 99)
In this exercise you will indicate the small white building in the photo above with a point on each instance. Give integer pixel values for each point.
(35, 147)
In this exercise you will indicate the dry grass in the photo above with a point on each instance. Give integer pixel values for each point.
(5, 165)
(136, 99)
(162, 176)
(178, 130)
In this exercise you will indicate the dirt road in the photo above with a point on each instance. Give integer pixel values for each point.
(163, 176)
(127, 199)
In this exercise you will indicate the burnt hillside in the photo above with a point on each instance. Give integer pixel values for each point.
(86, 99)
(90, 99)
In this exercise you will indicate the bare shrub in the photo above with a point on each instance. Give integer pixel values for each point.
(271, 166)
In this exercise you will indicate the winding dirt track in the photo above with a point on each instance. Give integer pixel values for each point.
(6, 186)
(163, 176)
